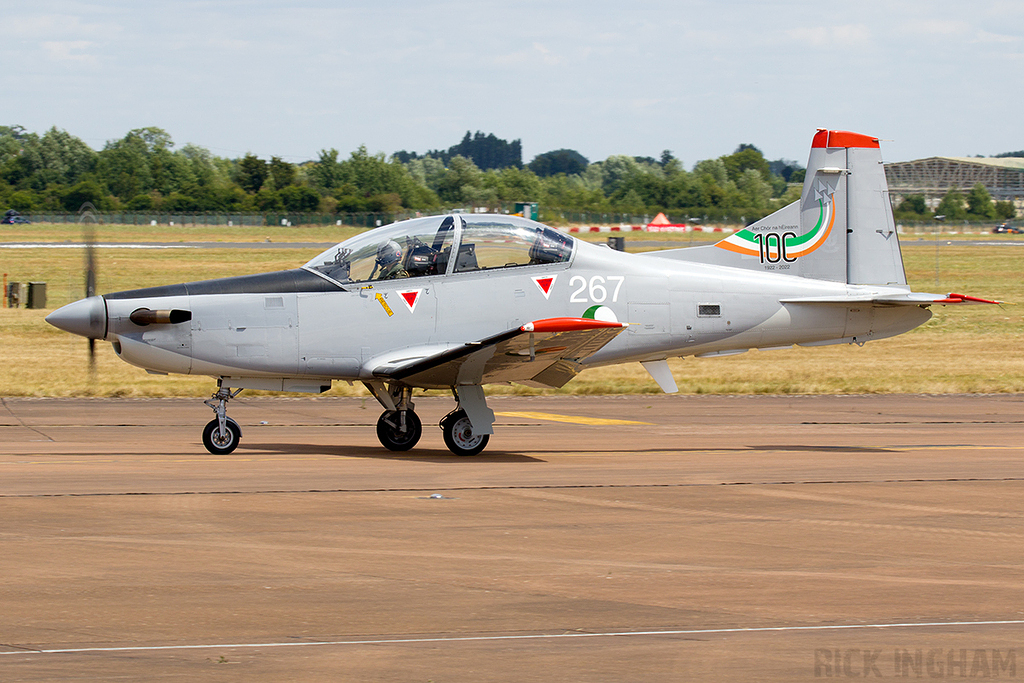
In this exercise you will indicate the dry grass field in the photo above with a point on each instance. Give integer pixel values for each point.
(972, 349)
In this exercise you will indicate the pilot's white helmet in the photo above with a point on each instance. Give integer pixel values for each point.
(388, 253)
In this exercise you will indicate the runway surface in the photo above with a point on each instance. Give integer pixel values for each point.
(642, 538)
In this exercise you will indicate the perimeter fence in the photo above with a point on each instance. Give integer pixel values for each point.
(949, 227)
(359, 220)
(552, 216)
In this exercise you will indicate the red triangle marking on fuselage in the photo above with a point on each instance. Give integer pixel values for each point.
(410, 298)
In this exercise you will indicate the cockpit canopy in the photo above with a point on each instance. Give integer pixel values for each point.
(438, 245)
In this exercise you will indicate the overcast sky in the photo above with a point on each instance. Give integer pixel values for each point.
(934, 77)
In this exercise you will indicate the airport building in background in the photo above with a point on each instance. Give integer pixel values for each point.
(935, 176)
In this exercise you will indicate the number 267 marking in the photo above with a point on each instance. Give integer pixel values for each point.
(595, 289)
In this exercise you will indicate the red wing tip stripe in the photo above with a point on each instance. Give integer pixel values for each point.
(952, 298)
(568, 325)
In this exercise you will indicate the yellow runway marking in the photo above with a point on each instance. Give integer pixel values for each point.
(574, 419)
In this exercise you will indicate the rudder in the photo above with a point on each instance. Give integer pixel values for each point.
(872, 244)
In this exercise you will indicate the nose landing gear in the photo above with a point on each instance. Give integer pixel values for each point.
(221, 434)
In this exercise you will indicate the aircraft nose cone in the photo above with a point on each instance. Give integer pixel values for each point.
(87, 317)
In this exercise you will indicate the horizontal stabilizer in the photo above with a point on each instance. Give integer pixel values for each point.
(905, 299)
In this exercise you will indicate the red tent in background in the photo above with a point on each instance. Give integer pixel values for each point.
(662, 224)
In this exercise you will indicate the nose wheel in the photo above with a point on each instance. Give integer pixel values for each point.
(459, 436)
(399, 430)
(221, 441)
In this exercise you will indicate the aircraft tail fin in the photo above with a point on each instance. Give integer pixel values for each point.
(841, 229)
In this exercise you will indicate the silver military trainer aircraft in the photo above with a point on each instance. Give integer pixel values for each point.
(462, 300)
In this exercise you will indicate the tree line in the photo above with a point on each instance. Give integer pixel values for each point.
(975, 205)
(144, 171)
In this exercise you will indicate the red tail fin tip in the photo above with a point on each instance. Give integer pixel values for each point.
(841, 138)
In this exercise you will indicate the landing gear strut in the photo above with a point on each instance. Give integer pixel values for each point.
(221, 434)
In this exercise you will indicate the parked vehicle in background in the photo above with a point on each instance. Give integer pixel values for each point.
(12, 217)
(1007, 229)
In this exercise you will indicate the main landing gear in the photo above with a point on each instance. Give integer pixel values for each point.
(459, 436)
(221, 434)
(399, 428)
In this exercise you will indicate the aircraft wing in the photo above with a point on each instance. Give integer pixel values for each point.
(907, 299)
(544, 352)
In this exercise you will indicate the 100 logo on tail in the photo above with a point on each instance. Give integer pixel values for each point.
(773, 247)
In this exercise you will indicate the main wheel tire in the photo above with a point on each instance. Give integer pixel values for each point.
(218, 443)
(390, 434)
(459, 436)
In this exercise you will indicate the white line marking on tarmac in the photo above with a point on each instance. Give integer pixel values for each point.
(536, 636)
(48, 245)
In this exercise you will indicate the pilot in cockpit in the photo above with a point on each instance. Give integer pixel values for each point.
(389, 261)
